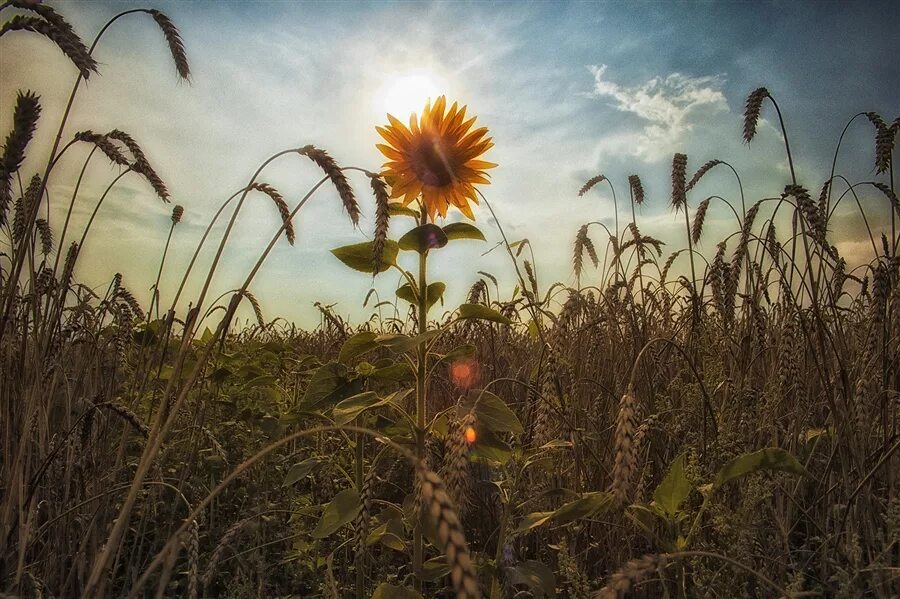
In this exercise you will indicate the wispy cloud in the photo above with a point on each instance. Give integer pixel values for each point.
(666, 106)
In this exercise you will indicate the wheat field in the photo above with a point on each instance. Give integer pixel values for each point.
(717, 419)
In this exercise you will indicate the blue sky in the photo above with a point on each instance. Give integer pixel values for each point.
(568, 90)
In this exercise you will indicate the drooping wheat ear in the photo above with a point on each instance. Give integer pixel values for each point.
(808, 209)
(590, 183)
(644, 429)
(751, 112)
(193, 553)
(700, 172)
(219, 551)
(132, 302)
(575, 580)
(890, 195)
(477, 292)
(45, 234)
(282, 206)
(25, 118)
(382, 220)
(532, 280)
(257, 309)
(141, 164)
(625, 458)
(177, 213)
(176, 45)
(823, 201)
(637, 189)
(456, 464)
(334, 172)
(773, 246)
(740, 252)
(102, 142)
(57, 31)
(44, 281)
(884, 142)
(632, 572)
(127, 415)
(679, 173)
(217, 447)
(699, 217)
(718, 277)
(439, 505)
(362, 521)
(790, 357)
(24, 207)
(69, 266)
(583, 244)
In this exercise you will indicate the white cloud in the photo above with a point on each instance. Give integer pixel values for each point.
(667, 107)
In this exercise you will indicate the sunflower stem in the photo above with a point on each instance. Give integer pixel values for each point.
(421, 390)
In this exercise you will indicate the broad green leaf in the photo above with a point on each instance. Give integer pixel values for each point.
(482, 312)
(463, 351)
(359, 255)
(403, 343)
(533, 520)
(391, 591)
(423, 238)
(435, 292)
(399, 371)
(339, 511)
(537, 576)
(463, 231)
(435, 568)
(491, 413)
(329, 385)
(589, 505)
(674, 488)
(490, 448)
(770, 458)
(299, 471)
(357, 345)
(350, 408)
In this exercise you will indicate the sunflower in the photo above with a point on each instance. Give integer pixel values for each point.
(437, 158)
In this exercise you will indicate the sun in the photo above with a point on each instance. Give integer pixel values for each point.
(405, 93)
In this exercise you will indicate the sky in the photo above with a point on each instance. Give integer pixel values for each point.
(568, 91)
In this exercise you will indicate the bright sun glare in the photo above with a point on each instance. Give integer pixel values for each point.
(403, 94)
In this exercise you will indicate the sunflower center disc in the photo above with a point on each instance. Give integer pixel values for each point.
(431, 162)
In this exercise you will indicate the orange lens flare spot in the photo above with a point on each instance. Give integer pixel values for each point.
(471, 435)
(464, 373)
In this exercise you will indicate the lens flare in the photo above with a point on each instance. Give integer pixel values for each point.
(471, 435)
(465, 373)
